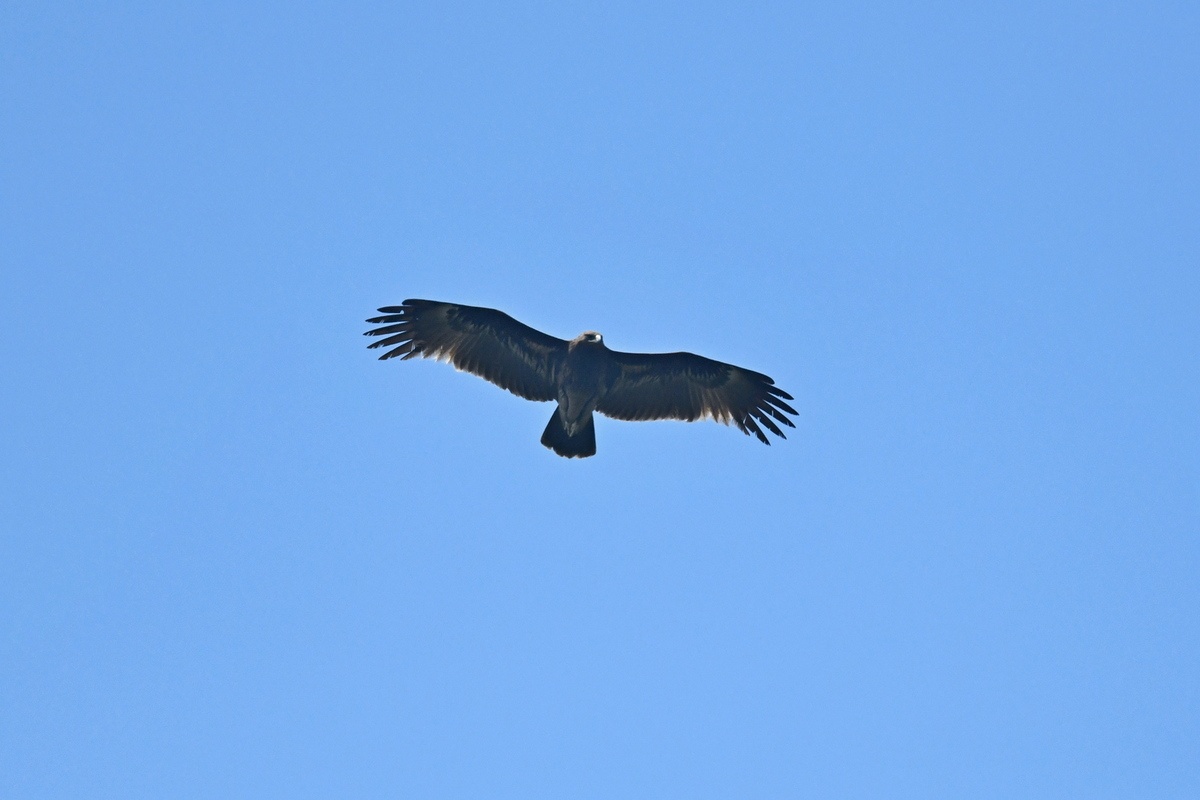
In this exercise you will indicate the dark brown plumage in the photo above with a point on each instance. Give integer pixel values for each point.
(583, 375)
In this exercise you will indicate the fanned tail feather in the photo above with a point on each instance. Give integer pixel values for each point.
(581, 445)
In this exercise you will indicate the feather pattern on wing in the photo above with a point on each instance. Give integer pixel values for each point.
(690, 387)
(481, 341)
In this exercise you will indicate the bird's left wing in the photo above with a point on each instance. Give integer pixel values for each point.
(482, 341)
(690, 387)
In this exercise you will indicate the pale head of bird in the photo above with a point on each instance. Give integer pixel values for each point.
(588, 339)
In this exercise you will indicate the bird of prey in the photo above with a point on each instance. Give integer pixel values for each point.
(582, 374)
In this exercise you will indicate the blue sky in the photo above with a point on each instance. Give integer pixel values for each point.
(239, 557)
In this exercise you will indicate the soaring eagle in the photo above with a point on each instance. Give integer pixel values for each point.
(583, 375)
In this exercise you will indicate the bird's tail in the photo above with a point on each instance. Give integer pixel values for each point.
(581, 445)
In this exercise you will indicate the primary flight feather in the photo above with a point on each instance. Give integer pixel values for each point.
(582, 374)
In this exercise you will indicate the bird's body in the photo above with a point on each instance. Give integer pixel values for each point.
(583, 380)
(582, 374)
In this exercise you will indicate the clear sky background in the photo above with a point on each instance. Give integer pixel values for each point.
(242, 558)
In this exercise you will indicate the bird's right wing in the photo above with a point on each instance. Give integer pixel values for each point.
(482, 341)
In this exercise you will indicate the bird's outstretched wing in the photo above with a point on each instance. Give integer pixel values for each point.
(482, 341)
(690, 387)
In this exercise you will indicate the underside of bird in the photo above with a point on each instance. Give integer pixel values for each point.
(583, 375)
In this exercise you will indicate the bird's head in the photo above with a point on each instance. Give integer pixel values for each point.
(589, 338)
